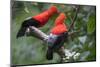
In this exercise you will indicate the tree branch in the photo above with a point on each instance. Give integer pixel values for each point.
(71, 33)
(33, 31)
(74, 19)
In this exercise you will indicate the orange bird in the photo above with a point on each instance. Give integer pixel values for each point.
(57, 36)
(37, 21)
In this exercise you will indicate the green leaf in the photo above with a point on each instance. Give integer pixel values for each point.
(91, 25)
(68, 21)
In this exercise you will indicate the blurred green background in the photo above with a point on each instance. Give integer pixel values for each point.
(29, 50)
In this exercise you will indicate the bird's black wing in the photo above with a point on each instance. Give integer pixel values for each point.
(25, 25)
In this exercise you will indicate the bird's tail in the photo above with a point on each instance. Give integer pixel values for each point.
(21, 32)
(49, 54)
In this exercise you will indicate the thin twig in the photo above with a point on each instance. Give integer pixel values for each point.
(71, 33)
(74, 19)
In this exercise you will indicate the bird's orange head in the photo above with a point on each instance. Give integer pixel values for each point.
(60, 19)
